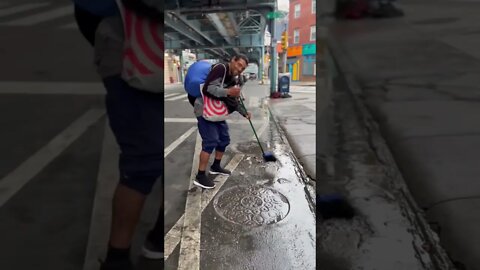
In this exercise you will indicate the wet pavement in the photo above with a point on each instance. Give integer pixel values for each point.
(422, 89)
(260, 217)
(297, 117)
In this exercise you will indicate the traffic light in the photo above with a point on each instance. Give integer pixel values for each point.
(284, 40)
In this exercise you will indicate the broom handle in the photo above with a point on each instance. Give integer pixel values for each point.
(254, 132)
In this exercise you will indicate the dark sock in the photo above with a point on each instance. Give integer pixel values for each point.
(201, 172)
(117, 254)
(216, 163)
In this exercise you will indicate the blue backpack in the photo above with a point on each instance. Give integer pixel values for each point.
(196, 76)
(98, 7)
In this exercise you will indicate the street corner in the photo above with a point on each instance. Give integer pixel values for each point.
(258, 214)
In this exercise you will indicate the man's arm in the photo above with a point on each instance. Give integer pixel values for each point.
(213, 83)
(240, 108)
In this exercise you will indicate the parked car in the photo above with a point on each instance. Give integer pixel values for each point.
(251, 71)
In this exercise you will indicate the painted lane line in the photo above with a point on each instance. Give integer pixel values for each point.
(178, 141)
(171, 95)
(20, 176)
(21, 8)
(172, 238)
(176, 98)
(42, 17)
(102, 205)
(49, 88)
(189, 258)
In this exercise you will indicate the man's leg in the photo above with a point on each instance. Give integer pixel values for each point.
(224, 141)
(127, 206)
(141, 160)
(204, 156)
(209, 135)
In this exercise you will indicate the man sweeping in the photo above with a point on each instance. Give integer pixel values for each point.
(221, 84)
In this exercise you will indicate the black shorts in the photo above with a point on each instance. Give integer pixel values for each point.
(136, 119)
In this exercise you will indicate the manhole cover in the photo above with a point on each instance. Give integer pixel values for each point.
(251, 205)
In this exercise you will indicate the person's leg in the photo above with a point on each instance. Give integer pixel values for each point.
(127, 206)
(136, 119)
(224, 141)
(210, 139)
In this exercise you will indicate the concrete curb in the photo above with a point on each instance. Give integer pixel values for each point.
(310, 182)
(414, 214)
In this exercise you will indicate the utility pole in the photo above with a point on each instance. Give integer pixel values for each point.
(284, 48)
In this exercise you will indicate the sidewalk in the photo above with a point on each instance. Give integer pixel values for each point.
(297, 117)
(423, 91)
(260, 217)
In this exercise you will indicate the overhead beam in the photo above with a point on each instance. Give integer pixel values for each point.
(194, 27)
(260, 7)
(217, 23)
(183, 29)
(234, 23)
(205, 47)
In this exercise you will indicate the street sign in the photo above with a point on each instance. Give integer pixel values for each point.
(275, 15)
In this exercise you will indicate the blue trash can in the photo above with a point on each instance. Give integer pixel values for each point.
(284, 83)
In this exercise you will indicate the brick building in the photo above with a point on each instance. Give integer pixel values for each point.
(301, 53)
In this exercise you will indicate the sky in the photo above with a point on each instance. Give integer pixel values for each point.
(283, 5)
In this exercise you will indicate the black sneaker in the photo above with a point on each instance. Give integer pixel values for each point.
(152, 251)
(219, 170)
(117, 265)
(203, 181)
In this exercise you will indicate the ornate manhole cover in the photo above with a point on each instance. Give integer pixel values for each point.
(251, 205)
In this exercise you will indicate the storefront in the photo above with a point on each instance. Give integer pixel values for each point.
(294, 55)
(309, 62)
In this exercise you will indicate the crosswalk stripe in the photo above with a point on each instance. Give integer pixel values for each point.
(42, 17)
(176, 98)
(72, 25)
(16, 9)
(172, 94)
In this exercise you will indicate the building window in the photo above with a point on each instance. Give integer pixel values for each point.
(314, 6)
(296, 36)
(308, 65)
(313, 34)
(297, 11)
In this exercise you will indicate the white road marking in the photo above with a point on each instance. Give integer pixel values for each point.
(171, 95)
(52, 88)
(102, 205)
(189, 258)
(19, 177)
(42, 17)
(20, 8)
(72, 25)
(180, 96)
(178, 141)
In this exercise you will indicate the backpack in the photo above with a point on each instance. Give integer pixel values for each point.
(196, 76)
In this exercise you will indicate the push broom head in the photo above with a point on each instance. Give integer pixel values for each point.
(269, 156)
